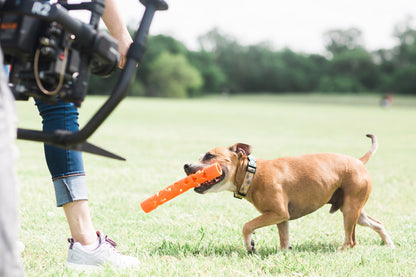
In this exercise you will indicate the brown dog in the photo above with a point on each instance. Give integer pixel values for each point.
(291, 187)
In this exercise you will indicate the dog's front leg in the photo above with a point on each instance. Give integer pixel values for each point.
(266, 219)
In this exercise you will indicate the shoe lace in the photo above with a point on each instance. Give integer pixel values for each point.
(110, 241)
(113, 245)
(106, 238)
(71, 241)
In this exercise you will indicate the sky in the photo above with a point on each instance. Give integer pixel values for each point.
(297, 24)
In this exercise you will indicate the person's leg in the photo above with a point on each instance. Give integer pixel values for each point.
(67, 171)
(80, 223)
(10, 264)
(88, 248)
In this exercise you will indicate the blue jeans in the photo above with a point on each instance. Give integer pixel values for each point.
(66, 166)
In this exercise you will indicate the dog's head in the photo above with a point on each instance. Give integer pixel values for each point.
(228, 158)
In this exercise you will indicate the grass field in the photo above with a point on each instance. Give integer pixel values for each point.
(200, 235)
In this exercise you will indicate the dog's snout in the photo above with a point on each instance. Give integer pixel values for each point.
(187, 168)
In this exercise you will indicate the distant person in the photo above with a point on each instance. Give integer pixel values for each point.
(387, 100)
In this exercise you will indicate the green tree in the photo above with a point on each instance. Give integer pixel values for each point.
(356, 64)
(404, 60)
(338, 41)
(260, 68)
(405, 52)
(228, 56)
(173, 76)
(351, 67)
(204, 62)
(384, 59)
(404, 79)
(156, 45)
(304, 71)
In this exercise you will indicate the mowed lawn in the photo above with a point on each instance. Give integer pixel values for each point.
(201, 235)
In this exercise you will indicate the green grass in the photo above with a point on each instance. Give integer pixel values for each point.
(200, 235)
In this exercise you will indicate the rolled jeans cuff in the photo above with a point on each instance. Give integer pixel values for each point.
(70, 188)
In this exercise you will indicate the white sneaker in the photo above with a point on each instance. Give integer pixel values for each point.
(81, 259)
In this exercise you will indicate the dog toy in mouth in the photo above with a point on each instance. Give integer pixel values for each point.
(202, 176)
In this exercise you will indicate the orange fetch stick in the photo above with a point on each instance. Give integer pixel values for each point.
(179, 187)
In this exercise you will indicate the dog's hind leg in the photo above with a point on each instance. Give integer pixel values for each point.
(349, 226)
(284, 235)
(368, 221)
(351, 211)
(266, 219)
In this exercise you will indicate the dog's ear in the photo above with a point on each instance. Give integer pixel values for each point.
(241, 148)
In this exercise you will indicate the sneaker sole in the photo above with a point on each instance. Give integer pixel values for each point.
(83, 267)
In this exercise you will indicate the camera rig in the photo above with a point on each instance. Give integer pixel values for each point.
(53, 55)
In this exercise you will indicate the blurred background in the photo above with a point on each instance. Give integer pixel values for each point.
(225, 47)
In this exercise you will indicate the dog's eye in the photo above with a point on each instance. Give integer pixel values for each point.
(208, 156)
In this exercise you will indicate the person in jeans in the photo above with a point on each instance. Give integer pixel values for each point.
(88, 247)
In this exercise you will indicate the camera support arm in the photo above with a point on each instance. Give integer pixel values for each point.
(77, 140)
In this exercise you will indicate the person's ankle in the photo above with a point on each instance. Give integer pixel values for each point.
(86, 239)
(92, 246)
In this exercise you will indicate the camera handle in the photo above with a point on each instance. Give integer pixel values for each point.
(77, 140)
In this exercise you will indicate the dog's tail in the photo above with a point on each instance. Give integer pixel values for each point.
(372, 150)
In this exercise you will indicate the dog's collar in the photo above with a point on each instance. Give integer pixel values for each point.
(250, 170)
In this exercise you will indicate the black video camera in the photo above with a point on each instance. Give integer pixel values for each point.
(51, 53)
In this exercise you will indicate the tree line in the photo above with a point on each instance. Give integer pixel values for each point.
(223, 65)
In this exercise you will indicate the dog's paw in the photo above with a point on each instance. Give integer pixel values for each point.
(390, 245)
(345, 247)
(251, 249)
(285, 247)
